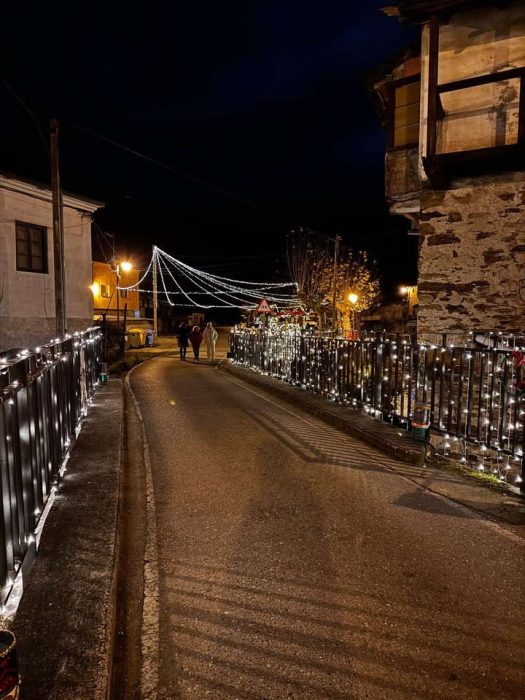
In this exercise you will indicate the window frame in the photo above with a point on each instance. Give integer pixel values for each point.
(440, 167)
(43, 244)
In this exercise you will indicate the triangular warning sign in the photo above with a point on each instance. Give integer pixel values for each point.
(264, 307)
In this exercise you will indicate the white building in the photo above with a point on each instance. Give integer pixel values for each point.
(27, 281)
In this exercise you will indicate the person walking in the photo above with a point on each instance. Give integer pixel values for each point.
(184, 333)
(210, 336)
(196, 340)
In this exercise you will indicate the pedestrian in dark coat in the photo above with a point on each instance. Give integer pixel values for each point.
(196, 340)
(184, 333)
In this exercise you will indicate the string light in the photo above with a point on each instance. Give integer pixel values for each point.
(472, 387)
(228, 293)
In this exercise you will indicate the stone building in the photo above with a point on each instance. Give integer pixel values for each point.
(454, 111)
(27, 282)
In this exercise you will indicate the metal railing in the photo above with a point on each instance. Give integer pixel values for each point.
(43, 397)
(473, 394)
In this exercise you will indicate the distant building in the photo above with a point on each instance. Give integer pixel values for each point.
(454, 111)
(396, 318)
(27, 280)
(107, 298)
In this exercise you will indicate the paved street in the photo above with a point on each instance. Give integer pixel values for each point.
(294, 564)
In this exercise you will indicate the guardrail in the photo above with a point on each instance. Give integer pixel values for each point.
(475, 395)
(43, 397)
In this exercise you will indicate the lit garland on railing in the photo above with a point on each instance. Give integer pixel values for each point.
(476, 395)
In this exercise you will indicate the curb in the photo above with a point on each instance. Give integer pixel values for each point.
(410, 454)
(150, 612)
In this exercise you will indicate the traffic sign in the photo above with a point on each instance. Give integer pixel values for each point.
(264, 307)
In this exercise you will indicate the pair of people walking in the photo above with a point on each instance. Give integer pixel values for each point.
(196, 337)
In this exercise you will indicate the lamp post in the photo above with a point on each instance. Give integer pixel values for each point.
(125, 266)
(353, 298)
(406, 292)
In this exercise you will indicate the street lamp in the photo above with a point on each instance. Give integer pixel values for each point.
(353, 298)
(125, 266)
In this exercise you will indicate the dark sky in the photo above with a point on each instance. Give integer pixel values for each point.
(266, 100)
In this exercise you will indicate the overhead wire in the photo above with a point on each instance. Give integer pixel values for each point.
(181, 173)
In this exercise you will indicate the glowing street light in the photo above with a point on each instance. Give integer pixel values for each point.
(124, 266)
(353, 298)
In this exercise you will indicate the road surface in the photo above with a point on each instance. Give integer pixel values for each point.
(292, 563)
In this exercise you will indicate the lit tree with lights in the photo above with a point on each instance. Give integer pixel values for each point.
(311, 262)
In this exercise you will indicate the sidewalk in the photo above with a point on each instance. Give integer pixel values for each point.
(438, 476)
(64, 625)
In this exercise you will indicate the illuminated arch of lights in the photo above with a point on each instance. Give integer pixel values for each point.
(176, 279)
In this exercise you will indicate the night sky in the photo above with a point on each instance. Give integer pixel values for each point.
(267, 101)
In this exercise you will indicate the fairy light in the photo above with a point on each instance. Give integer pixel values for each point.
(227, 292)
(342, 371)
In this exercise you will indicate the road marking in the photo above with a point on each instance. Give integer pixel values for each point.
(492, 524)
(149, 677)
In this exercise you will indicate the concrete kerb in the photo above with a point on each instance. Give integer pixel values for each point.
(150, 612)
(64, 623)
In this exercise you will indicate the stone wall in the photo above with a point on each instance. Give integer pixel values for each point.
(472, 258)
(401, 174)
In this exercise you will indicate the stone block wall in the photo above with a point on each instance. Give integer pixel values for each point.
(472, 258)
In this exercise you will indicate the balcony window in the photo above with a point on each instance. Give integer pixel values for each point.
(475, 124)
(105, 291)
(479, 116)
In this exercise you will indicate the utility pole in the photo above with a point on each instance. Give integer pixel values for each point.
(117, 273)
(58, 234)
(154, 255)
(334, 300)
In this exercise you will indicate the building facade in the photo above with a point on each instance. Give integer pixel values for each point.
(454, 110)
(27, 281)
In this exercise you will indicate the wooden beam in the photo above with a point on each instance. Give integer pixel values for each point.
(432, 94)
(390, 113)
(482, 80)
(521, 113)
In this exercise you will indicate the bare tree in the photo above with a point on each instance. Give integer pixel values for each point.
(311, 263)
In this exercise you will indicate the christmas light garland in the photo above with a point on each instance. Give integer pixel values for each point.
(228, 292)
(477, 395)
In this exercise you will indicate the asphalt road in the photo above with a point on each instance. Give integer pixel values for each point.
(293, 563)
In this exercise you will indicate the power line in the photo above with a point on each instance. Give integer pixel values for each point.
(181, 173)
(26, 108)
